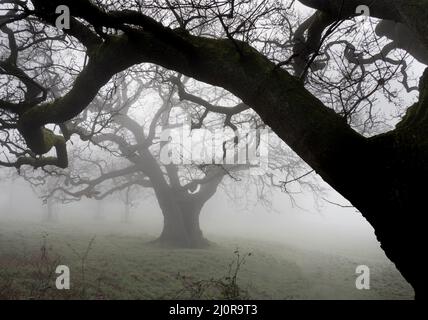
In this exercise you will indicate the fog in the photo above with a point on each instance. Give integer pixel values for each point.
(323, 226)
(322, 242)
(145, 213)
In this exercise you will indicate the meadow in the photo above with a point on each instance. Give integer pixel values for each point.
(111, 262)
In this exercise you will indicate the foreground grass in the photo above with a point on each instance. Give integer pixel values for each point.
(108, 264)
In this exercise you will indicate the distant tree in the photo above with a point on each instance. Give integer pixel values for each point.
(8, 176)
(135, 149)
(43, 187)
(130, 197)
(99, 210)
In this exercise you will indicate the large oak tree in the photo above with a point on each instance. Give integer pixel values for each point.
(381, 175)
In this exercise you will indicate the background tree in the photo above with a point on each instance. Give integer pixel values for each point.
(128, 196)
(135, 148)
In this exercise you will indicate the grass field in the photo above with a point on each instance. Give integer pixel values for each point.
(122, 264)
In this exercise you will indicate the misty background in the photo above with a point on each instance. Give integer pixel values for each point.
(319, 226)
(324, 241)
(306, 247)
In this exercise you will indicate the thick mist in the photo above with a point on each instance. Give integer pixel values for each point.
(324, 241)
(323, 226)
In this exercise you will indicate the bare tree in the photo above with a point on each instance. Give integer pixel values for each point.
(181, 189)
(216, 43)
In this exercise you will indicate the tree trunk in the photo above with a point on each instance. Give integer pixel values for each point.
(98, 216)
(50, 212)
(11, 202)
(126, 213)
(180, 210)
(387, 184)
(181, 227)
(398, 227)
(394, 209)
(127, 203)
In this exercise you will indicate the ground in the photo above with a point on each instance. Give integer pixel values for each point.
(122, 264)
